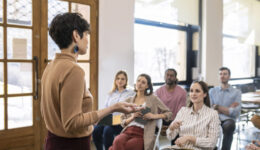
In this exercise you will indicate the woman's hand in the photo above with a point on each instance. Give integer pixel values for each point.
(137, 114)
(175, 125)
(252, 147)
(124, 107)
(182, 141)
(149, 116)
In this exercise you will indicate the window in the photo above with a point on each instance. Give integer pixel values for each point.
(161, 37)
(158, 48)
(240, 35)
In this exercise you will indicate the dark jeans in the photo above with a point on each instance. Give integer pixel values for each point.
(167, 123)
(104, 135)
(228, 127)
(54, 142)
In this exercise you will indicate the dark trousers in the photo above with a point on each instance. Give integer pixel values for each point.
(54, 142)
(130, 139)
(228, 127)
(104, 135)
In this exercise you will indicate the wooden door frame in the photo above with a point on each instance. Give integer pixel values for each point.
(25, 138)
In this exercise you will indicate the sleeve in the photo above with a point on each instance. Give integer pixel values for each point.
(71, 101)
(235, 112)
(131, 93)
(124, 117)
(172, 134)
(107, 101)
(213, 133)
(163, 109)
(211, 97)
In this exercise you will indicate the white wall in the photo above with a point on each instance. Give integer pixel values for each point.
(116, 23)
(211, 40)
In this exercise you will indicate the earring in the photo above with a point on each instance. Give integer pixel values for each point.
(148, 91)
(76, 49)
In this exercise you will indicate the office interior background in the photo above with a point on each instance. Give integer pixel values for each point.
(195, 37)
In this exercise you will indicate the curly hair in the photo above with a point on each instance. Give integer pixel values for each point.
(63, 25)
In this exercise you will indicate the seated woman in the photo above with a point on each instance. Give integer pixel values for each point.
(197, 125)
(139, 127)
(104, 135)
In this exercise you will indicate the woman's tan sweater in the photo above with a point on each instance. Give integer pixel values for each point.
(157, 107)
(66, 104)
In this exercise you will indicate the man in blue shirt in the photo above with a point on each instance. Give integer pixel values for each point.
(227, 101)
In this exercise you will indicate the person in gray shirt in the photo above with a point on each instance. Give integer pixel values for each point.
(227, 101)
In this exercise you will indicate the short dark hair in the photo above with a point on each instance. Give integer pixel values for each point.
(175, 72)
(225, 68)
(149, 90)
(205, 89)
(63, 25)
(171, 69)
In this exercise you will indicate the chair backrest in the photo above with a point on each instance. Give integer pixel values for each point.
(159, 124)
(220, 138)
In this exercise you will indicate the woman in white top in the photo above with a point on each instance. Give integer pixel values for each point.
(198, 125)
(104, 135)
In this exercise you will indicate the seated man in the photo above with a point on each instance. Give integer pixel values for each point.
(227, 101)
(171, 94)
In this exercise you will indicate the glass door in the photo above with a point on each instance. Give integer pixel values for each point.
(25, 50)
(19, 122)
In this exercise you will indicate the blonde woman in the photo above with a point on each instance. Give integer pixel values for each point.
(104, 135)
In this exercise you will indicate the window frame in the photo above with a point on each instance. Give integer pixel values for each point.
(189, 29)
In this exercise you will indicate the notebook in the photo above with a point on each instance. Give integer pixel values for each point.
(140, 119)
(110, 120)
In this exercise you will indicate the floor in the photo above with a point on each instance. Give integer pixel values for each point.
(247, 133)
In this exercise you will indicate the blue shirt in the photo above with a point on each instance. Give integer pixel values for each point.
(225, 97)
(117, 96)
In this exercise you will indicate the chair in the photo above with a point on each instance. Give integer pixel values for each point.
(220, 139)
(159, 124)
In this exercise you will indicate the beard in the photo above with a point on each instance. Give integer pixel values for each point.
(170, 82)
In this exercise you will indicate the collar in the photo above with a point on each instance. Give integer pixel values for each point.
(227, 89)
(121, 92)
(68, 56)
(199, 111)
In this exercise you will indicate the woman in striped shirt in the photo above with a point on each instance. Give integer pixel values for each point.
(198, 125)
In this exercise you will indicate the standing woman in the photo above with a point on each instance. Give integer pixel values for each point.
(137, 135)
(66, 104)
(197, 125)
(104, 135)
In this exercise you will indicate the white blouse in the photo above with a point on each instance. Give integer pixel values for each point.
(204, 125)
